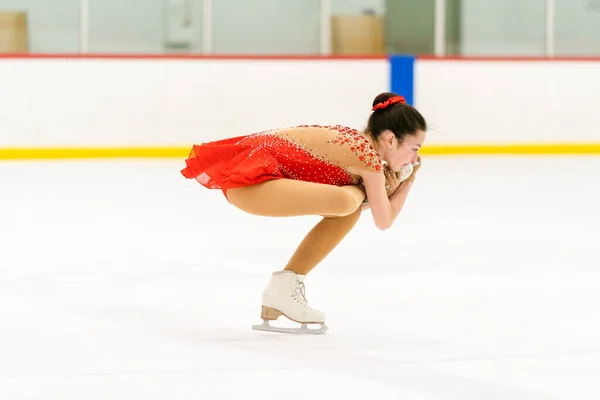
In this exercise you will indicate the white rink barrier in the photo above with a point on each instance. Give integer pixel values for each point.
(86, 105)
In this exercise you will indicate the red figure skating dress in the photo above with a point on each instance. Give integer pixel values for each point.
(320, 154)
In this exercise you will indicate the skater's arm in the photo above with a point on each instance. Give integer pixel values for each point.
(398, 199)
(392, 182)
(383, 209)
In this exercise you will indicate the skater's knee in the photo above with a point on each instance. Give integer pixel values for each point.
(354, 215)
(347, 201)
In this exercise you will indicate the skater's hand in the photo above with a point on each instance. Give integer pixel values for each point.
(386, 194)
(412, 176)
(392, 180)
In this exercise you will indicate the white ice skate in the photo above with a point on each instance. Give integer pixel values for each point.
(285, 296)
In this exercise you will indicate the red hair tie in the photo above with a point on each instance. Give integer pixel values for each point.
(390, 101)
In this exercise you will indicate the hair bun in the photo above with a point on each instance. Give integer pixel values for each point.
(387, 102)
(383, 97)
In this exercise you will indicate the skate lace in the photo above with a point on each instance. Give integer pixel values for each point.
(300, 293)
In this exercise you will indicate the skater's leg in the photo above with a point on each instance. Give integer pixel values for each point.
(340, 207)
(320, 241)
(288, 198)
(285, 197)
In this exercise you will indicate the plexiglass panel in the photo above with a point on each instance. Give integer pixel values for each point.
(53, 26)
(357, 7)
(409, 26)
(577, 28)
(266, 26)
(473, 27)
(145, 26)
(503, 28)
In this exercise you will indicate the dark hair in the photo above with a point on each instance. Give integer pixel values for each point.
(400, 118)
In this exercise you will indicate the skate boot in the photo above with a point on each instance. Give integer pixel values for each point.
(285, 296)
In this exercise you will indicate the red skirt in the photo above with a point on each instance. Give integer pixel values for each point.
(251, 159)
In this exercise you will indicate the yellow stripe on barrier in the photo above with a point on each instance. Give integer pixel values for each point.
(53, 153)
(514, 149)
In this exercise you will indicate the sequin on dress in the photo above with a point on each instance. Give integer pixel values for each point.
(313, 153)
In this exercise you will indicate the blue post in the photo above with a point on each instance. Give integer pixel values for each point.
(402, 76)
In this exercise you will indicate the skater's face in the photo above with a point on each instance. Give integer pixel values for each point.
(399, 154)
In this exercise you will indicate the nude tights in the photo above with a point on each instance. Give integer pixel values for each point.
(338, 205)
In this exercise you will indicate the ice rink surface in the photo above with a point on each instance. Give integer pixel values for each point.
(122, 280)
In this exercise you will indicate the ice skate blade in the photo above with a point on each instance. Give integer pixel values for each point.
(303, 330)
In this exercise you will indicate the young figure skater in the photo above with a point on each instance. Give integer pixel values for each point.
(331, 171)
